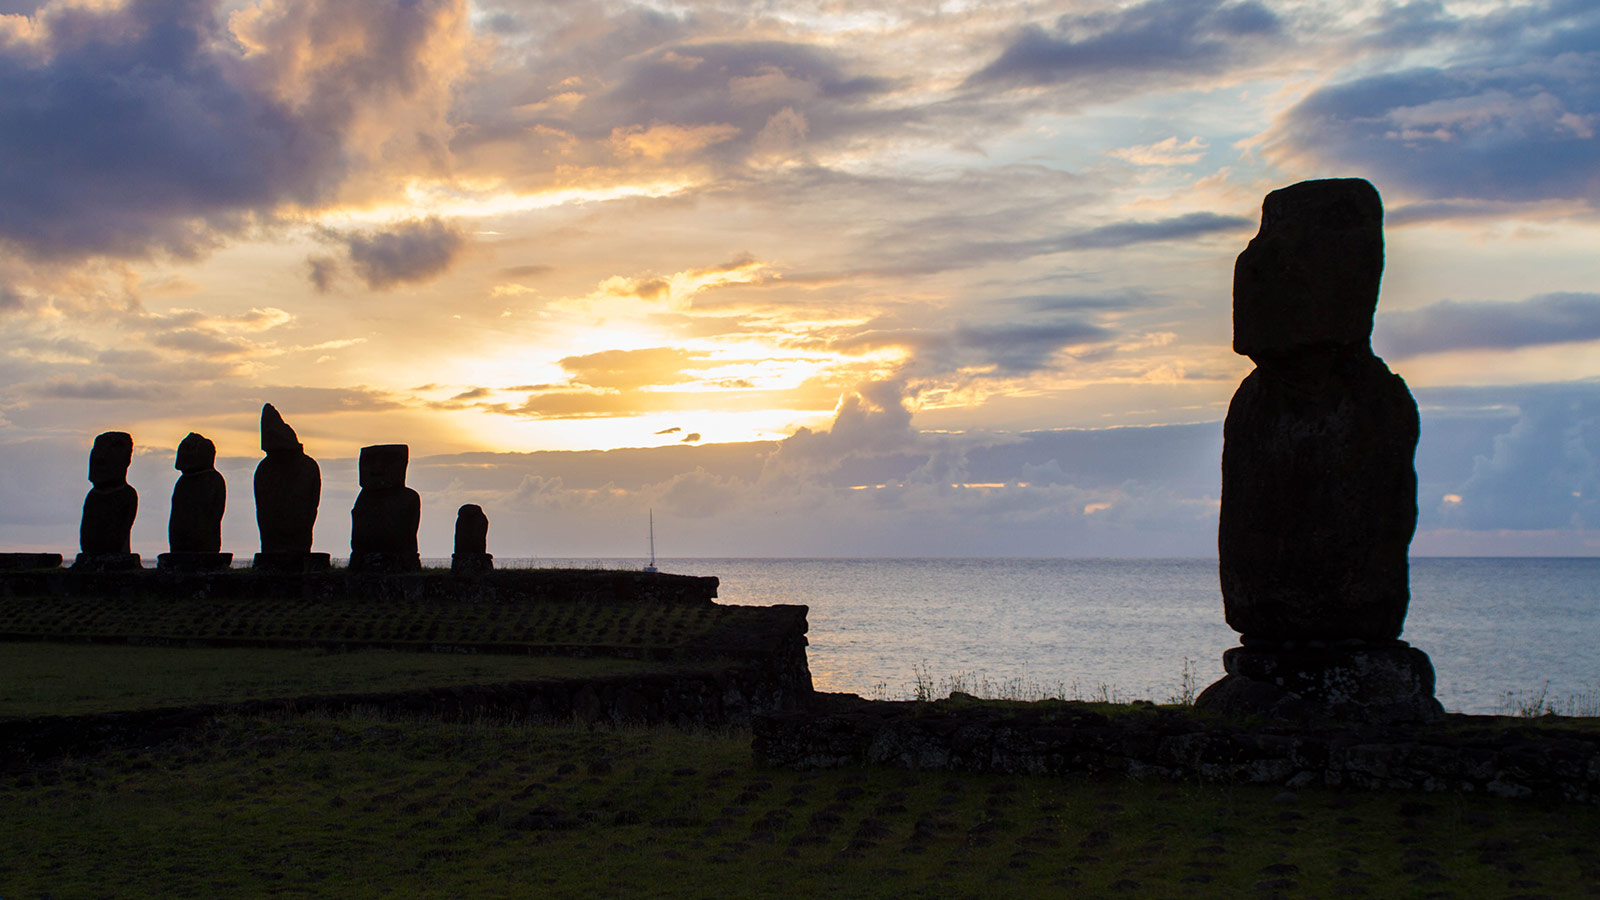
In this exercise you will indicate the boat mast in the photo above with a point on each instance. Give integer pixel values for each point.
(652, 566)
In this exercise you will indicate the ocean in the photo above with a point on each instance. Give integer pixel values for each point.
(1499, 631)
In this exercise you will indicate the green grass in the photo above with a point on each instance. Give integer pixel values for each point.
(66, 679)
(627, 625)
(358, 807)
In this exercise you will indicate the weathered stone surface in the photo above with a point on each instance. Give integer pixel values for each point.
(471, 555)
(292, 562)
(384, 520)
(110, 507)
(1318, 502)
(193, 561)
(1359, 681)
(1466, 754)
(30, 561)
(472, 530)
(288, 487)
(1310, 277)
(198, 499)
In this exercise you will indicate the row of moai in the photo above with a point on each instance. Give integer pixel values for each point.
(288, 489)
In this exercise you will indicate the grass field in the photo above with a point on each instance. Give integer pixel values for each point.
(363, 807)
(39, 679)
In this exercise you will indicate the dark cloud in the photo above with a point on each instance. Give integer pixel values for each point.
(100, 387)
(294, 399)
(673, 430)
(1513, 119)
(145, 126)
(1024, 348)
(1155, 40)
(322, 270)
(9, 298)
(691, 437)
(419, 250)
(1177, 228)
(1451, 325)
(530, 271)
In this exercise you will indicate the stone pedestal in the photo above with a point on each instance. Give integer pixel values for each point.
(107, 562)
(471, 563)
(30, 561)
(381, 562)
(193, 561)
(1351, 680)
(292, 562)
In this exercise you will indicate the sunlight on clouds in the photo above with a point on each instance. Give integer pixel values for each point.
(457, 201)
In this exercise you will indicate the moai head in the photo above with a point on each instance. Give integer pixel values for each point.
(384, 465)
(1309, 278)
(276, 435)
(472, 529)
(196, 454)
(109, 460)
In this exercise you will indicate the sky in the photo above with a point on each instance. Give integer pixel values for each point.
(943, 278)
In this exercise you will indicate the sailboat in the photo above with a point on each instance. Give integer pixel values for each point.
(652, 566)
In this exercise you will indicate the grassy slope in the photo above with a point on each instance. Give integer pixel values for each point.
(64, 679)
(360, 807)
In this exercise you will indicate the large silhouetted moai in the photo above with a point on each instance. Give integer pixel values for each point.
(383, 523)
(108, 511)
(288, 487)
(194, 529)
(471, 556)
(1319, 493)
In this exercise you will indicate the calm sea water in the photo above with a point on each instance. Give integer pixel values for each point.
(1490, 625)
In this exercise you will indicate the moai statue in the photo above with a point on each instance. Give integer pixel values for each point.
(472, 541)
(1319, 493)
(383, 523)
(194, 529)
(110, 507)
(288, 487)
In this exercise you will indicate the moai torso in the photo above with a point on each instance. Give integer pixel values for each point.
(198, 499)
(111, 505)
(1318, 483)
(288, 487)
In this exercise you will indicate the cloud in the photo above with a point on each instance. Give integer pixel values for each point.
(1544, 472)
(100, 387)
(1166, 152)
(1521, 88)
(156, 125)
(691, 437)
(1153, 41)
(418, 250)
(1450, 325)
(673, 430)
(628, 370)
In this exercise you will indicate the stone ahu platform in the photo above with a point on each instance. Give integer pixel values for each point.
(1543, 759)
(584, 585)
(711, 665)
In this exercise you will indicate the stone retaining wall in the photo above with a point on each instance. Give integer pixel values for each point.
(579, 585)
(1471, 754)
(711, 698)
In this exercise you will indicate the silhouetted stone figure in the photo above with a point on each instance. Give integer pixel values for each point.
(471, 556)
(383, 523)
(109, 508)
(1318, 485)
(288, 487)
(194, 528)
